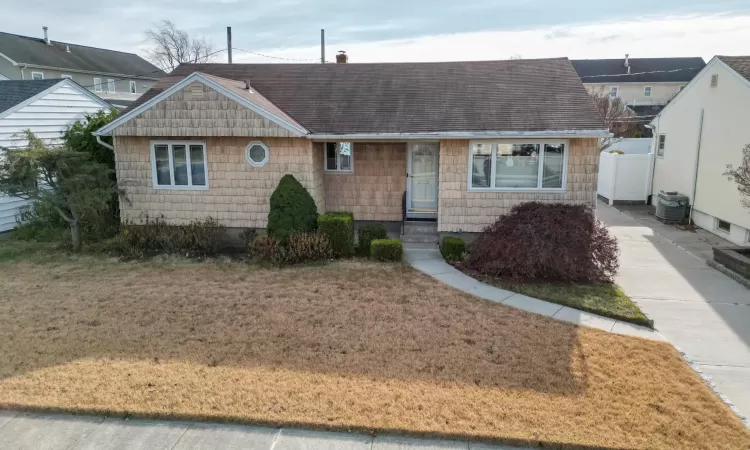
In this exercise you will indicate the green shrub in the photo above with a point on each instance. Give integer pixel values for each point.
(198, 238)
(263, 248)
(387, 249)
(303, 248)
(453, 248)
(339, 229)
(367, 233)
(292, 211)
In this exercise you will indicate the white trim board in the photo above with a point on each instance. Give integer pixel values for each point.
(199, 77)
(63, 82)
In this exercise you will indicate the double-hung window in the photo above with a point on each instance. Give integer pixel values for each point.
(132, 87)
(97, 84)
(521, 166)
(613, 91)
(37, 75)
(647, 91)
(339, 156)
(110, 85)
(179, 165)
(661, 145)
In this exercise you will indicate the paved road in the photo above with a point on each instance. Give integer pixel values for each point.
(22, 431)
(699, 310)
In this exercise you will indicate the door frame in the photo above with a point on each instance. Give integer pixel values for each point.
(421, 214)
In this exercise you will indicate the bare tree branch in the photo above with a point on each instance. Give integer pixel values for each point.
(616, 115)
(172, 46)
(741, 176)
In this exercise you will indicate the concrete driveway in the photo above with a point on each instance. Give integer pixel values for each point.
(702, 312)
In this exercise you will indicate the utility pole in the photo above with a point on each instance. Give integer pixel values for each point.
(322, 46)
(229, 44)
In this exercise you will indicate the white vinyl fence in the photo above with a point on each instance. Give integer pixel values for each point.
(624, 178)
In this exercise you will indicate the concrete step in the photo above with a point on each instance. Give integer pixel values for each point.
(431, 238)
(420, 246)
(420, 227)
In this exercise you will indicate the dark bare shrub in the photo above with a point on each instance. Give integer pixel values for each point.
(550, 242)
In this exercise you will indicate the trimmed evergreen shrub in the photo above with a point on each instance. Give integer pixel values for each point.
(546, 242)
(292, 211)
(339, 229)
(453, 248)
(368, 233)
(386, 249)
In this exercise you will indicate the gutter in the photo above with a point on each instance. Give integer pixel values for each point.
(64, 70)
(103, 144)
(547, 134)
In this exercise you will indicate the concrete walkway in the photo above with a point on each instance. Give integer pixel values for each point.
(702, 312)
(21, 431)
(432, 263)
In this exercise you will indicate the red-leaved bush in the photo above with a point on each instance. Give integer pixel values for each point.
(546, 242)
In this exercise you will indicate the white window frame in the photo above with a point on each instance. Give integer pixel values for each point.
(338, 159)
(661, 145)
(111, 82)
(717, 226)
(617, 91)
(41, 74)
(647, 91)
(133, 87)
(172, 186)
(540, 162)
(97, 85)
(66, 76)
(250, 160)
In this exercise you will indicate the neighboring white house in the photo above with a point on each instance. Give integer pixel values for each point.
(47, 108)
(701, 131)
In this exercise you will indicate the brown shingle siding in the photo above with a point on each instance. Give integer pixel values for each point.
(472, 211)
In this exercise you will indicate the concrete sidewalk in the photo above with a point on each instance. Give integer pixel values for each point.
(431, 262)
(22, 431)
(702, 312)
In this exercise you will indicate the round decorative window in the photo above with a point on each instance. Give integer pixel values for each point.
(256, 153)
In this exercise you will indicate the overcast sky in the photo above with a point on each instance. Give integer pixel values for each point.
(404, 30)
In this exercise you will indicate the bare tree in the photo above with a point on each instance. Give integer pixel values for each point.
(620, 120)
(172, 46)
(741, 176)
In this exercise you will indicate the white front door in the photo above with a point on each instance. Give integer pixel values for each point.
(422, 181)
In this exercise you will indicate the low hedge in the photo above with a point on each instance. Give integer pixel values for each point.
(453, 248)
(386, 249)
(338, 228)
(368, 233)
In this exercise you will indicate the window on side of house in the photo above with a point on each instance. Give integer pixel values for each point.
(723, 225)
(66, 76)
(662, 144)
(110, 85)
(179, 165)
(714, 80)
(339, 157)
(508, 166)
(37, 75)
(647, 91)
(132, 87)
(97, 84)
(613, 91)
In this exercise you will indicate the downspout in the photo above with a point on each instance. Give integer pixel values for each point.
(695, 172)
(104, 144)
(654, 149)
(23, 67)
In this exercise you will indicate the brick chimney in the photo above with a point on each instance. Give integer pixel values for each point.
(342, 57)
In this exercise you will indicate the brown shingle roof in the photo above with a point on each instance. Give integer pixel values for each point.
(740, 64)
(516, 95)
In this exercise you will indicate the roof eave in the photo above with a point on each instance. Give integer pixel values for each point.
(505, 134)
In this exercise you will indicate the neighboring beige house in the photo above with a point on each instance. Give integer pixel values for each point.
(639, 82)
(460, 143)
(701, 131)
(118, 77)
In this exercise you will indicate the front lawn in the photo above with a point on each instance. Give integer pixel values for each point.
(604, 299)
(349, 345)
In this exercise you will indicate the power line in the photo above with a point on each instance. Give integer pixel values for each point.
(640, 73)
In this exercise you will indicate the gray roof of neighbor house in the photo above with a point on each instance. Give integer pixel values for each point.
(740, 64)
(35, 52)
(13, 92)
(642, 70)
(516, 95)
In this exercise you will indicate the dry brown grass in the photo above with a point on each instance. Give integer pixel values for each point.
(350, 345)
